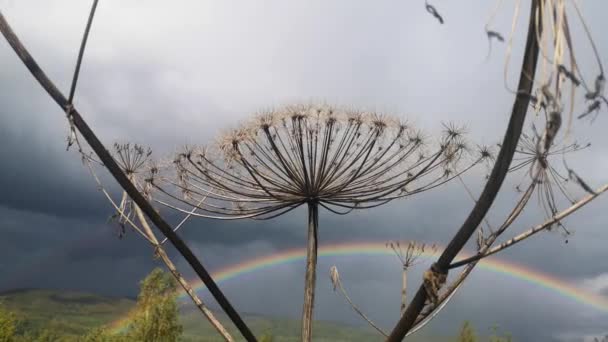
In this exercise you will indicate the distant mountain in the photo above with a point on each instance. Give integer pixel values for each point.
(74, 313)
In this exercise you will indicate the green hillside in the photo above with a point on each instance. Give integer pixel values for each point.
(75, 313)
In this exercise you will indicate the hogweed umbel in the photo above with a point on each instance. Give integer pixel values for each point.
(321, 156)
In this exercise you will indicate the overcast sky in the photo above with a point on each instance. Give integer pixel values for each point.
(165, 75)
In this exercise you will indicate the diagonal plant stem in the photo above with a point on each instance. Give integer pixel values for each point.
(121, 178)
(160, 251)
(83, 45)
(490, 191)
(543, 226)
(338, 284)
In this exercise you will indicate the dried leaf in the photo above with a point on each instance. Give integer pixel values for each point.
(433, 11)
(496, 35)
(570, 75)
(334, 276)
(573, 176)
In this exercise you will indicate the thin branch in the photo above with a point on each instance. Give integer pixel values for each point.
(543, 226)
(83, 45)
(337, 282)
(181, 223)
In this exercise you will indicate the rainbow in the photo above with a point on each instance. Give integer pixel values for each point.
(546, 281)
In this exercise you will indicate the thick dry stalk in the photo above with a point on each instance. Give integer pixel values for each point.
(160, 251)
(311, 269)
(121, 178)
(403, 290)
(499, 172)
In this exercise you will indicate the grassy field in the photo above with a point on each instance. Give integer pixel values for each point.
(74, 313)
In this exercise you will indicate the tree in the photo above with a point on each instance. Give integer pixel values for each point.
(156, 313)
(155, 317)
(467, 334)
(8, 325)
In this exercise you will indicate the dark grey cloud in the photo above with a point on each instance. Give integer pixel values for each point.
(165, 76)
(45, 180)
(37, 248)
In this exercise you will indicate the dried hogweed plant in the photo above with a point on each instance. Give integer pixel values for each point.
(135, 161)
(318, 156)
(541, 153)
(345, 160)
(408, 254)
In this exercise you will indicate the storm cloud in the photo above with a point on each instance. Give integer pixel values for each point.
(168, 75)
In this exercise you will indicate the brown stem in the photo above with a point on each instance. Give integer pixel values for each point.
(403, 290)
(499, 172)
(311, 269)
(122, 179)
(160, 251)
(83, 45)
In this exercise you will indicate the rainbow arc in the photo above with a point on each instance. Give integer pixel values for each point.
(553, 284)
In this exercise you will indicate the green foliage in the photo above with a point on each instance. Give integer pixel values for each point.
(54, 331)
(71, 313)
(495, 337)
(467, 334)
(8, 325)
(266, 337)
(156, 315)
(101, 335)
(49, 334)
(78, 316)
